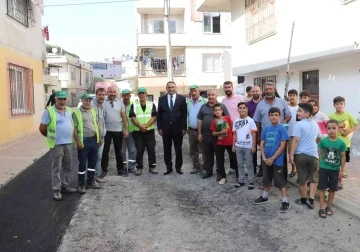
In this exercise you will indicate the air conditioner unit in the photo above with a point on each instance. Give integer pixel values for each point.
(148, 52)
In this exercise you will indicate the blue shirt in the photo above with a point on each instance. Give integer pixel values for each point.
(193, 111)
(307, 131)
(64, 129)
(273, 135)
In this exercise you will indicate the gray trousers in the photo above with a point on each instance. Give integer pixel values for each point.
(243, 156)
(61, 161)
(129, 144)
(196, 148)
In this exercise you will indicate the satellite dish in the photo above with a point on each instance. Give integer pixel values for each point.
(54, 50)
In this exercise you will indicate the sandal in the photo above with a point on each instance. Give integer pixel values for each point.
(322, 213)
(298, 201)
(292, 174)
(329, 211)
(345, 175)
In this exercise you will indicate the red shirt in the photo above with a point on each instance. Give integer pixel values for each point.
(224, 140)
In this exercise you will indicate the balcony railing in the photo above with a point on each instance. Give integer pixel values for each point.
(160, 73)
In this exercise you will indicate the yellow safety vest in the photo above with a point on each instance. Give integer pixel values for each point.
(51, 128)
(143, 116)
(80, 127)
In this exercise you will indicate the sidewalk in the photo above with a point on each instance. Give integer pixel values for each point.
(347, 199)
(20, 154)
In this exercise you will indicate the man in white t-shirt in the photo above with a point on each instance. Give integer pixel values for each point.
(244, 143)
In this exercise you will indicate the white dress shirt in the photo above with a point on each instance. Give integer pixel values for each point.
(173, 98)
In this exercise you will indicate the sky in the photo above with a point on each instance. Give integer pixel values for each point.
(93, 32)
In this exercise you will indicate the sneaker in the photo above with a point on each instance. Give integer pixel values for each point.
(259, 174)
(57, 196)
(68, 189)
(195, 170)
(94, 185)
(240, 185)
(153, 171)
(82, 189)
(99, 180)
(261, 200)
(103, 174)
(138, 172)
(308, 203)
(123, 173)
(218, 177)
(251, 186)
(222, 181)
(285, 207)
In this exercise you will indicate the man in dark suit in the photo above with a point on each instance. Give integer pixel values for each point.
(172, 125)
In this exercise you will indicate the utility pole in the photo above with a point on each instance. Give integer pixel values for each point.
(288, 64)
(168, 41)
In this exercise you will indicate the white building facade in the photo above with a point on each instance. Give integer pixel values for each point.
(200, 47)
(325, 56)
(107, 70)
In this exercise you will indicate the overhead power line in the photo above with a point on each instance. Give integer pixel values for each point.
(74, 4)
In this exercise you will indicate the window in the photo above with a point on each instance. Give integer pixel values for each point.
(260, 81)
(73, 73)
(21, 88)
(260, 19)
(310, 82)
(211, 23)
(212, 63)
(99, 66)
(159, 26)
(18, 10)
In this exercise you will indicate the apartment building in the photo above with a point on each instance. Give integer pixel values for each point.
(107, 70)
(22, 51)
(74, 74)
(200, 42)
(325, 56)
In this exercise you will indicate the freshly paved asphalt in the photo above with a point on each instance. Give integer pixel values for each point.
(30, 220)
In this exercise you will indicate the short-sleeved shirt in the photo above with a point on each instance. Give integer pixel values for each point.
(100, 116)
(64, 128)
(232, 105)
(113, 109)
(292, 122)
(88, 123)
(243, 128)
(252, 107)
(319, 117)
(227, 139)
(273, 135)
(206, 115)
(347, 121)
(307, 131)
(193, 111)
(331, 153)
(262, 111)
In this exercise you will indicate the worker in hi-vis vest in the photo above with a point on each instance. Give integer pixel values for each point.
(87, 137)
(58, 128)
(143, 115)
(196, 149)
(128, 143)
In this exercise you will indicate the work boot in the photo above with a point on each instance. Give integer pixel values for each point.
(153, 171)
(57, 196)
(138, 172)
(68, 189)
(82, 189)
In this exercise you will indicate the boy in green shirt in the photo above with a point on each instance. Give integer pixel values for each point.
(332, 156)
(347, 125)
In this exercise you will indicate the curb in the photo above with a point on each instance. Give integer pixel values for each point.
(341, 204)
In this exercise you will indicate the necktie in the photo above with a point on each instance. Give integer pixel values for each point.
(171, 103)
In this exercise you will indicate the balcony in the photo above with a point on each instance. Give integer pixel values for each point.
(157, 6)
(215, 6)
(159, 39)
(50, 80)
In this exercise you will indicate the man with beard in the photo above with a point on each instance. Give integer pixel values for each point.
(252, 104)
(205, 136)
(97, 104)
(129, 143)
(115, 116)
(262, 110)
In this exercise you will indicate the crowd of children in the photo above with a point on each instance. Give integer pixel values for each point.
(318, 147)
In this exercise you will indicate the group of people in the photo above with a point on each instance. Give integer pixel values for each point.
(284, 130)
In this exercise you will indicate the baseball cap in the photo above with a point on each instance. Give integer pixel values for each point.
(61, 94)
(142, 90)
(194, 86)
(86, 96)
(126, 91)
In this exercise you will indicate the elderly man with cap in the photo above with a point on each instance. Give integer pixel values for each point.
(129, 143)
(193, 107)
(57, 126)
(143, 114)
(87, 137)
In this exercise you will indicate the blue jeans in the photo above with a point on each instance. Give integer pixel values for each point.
(245, 155)
(129, 144)
(88, 155)
(98, 158)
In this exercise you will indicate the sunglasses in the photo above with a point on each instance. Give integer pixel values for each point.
(112, 104)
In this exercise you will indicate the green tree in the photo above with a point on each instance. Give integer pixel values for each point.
(92, 83)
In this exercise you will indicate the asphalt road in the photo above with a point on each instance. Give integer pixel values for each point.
(162, 213)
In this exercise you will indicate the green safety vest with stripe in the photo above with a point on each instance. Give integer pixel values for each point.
(80, 127)
(131, 124)
(143, 116)
(51, 128)
(203, 101)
